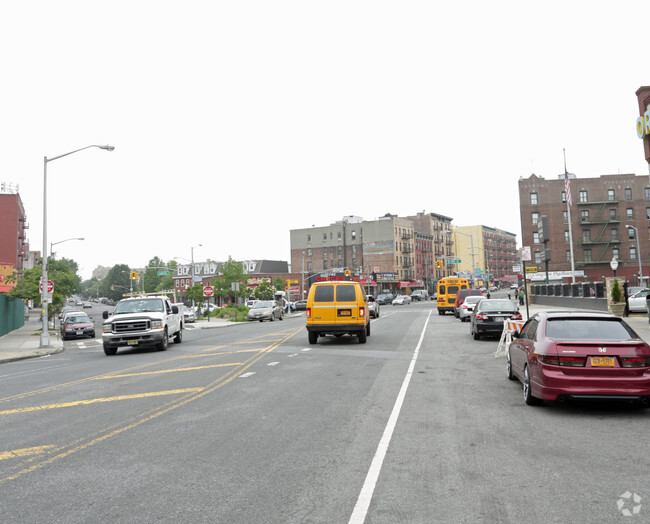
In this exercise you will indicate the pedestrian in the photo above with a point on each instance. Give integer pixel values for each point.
(521, 297)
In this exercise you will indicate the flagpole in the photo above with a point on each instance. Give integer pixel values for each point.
(567, 188)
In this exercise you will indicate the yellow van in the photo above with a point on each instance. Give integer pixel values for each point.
(337, 307)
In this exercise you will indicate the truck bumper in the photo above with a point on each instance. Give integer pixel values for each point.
(133, 339)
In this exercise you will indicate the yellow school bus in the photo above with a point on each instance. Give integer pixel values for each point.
(448, 288)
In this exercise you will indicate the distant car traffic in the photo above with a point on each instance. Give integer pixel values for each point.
(579, 355)
(300, 305)
(385, 298)
(266, 310)
(373, 307)
(77, 325)
(465, 310)
(188, 314)
(401, 300)
(638, 302)
(460, 297)
(489, 315)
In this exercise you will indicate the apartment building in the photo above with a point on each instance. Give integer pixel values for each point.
(610, 218)
(14, 245)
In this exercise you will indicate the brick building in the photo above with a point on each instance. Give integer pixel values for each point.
(610, 218)
(14, 245)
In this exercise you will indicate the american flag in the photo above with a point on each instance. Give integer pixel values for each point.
(567, 187)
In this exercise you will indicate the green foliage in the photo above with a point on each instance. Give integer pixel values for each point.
(233, 272)
(233, 313)
(117, 279)
(65, 280)
(264, 291)
(278, 284)
(195, 293)
(616, 292)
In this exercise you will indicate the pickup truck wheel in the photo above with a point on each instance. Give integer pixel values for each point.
(178, 337)
(109, 351)
(164, 343)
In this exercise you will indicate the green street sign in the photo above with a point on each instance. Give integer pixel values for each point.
(453, 261)
(163, 273)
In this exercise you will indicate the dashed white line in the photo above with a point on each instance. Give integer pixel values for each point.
(272, 363)
(246, 375)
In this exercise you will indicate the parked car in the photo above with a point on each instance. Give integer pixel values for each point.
(385, 298)
(77, 325)
(87, 305)
(579, 355)
(300, 305)
(489, 314)
(465, 310)
(188, 315)
(373, 307)
(266, 310)
(420, 294)
(638, 302)
(633, 290)
(401, 300)
(460, 297)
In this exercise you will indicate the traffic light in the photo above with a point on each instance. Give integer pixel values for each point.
(134, 275)
(439, 263)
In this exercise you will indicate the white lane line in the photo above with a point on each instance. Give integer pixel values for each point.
(293, 355)
(306, 349)
(246, 375)
(272, 363)
(365, 496)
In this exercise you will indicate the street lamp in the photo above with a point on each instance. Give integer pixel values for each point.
(614, 265)
(61, 242)
(638, 252)
(303, 276)
(45, 334)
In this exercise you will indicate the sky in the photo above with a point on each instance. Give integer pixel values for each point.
(236, 122)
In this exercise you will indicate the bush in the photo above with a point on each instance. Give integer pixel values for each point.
(616, 292)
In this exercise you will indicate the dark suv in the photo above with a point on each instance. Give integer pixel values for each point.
(385, 298)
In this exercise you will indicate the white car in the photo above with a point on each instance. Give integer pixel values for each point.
(637, 302)
(466, 308)
(400, 300)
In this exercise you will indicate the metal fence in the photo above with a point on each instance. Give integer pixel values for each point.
(12, 314)
(587, 295)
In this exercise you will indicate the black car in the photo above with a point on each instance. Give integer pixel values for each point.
(300, 305)
(489, 315)
(385, 298)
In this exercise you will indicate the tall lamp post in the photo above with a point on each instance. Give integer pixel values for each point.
(303, 276)
(45, 333)
(52, 244)
(638, 252)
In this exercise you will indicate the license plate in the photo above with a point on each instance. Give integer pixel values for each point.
(80, 332)
(345, 313)
(602, 362)
(132, 342)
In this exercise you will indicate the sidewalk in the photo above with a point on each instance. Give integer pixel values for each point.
(24, 342)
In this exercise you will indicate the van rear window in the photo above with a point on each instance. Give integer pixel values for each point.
(324, 294)
(345, 293)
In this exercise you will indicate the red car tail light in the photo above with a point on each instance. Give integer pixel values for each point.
(548, 359)
(482, 316)
(635, 362)
(572, 361)
(308, 312)
(362, 311)
(516, 316)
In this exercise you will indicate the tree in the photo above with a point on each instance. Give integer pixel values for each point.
(278, 284)
(264, 291)
(116, 282)
(167, 281)
(616, 292)
(233, 273)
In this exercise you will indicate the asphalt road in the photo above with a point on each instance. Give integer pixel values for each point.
(252, 424)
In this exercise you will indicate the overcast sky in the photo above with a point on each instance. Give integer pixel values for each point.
(235, 122)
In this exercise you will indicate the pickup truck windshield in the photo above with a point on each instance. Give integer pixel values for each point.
(144, 305)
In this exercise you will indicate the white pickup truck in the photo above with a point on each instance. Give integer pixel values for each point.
(142, 321)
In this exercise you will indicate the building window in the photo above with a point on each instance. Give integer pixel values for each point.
(535, 217)
(340, 263)
(647, 193)
(309, 267)
(308, 251)
(611, 195)
(535, 237)
(568, 255)
(324, 264)
(612, 214)
(338, 235)
(584, 215)
(340, 250)
(582, 196)
(629, 213)
(647, 212)
(565, 217)
(324, 237)
(354, 262)
(308, 238)
(354, 249)
(630, 233)
(614, 233)
(586, 235)
(566, 237)
(331, 235)
(628, 193)
(633, 253)
(533, 199)
(564, 197)
(588, 255)
(538, 257)
(354, 234)
(615, 253)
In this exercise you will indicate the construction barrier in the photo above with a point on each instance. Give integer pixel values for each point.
(506, 336)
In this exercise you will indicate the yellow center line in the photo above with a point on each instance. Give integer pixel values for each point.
(98, 400)
(25, 452)
(196, 368)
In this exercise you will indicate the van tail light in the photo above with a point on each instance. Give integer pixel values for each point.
(362, 311)
(635, 362)
(308, 312)
(516, 316)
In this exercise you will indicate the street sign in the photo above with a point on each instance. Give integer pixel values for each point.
(525, 253)
(208, 291)
(516, 269)
(453, 261)
(163, 273)
(50, 286)
(531, 269)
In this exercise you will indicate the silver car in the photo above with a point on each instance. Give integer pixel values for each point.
(373, 307)
(466, 308)
(266, 310)
(638, 302)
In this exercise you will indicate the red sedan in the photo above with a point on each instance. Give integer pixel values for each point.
(579, 355)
